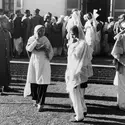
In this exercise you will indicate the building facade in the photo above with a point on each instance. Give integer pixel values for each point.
(56, 7)
(64, 7)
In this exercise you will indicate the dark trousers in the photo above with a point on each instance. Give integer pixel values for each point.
(38, 93)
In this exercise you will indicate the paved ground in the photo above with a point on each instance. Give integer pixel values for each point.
(100, 99)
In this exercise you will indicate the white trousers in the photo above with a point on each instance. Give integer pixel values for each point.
(77, 98)
(18, 45)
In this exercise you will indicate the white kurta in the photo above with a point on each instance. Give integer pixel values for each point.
(78, 70)
(118, 53)
(90, 34)
(79, 66)
(39, 70)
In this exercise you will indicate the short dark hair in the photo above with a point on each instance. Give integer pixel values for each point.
(89, 15)
(18, 11)
(27, 11)
(37, 10)
(2, 11)
(75, 30)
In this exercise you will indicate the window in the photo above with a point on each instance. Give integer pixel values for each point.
(8, 5)
(71, 4)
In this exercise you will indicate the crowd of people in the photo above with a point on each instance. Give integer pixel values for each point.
(78, 36)
(82, 44)
(98, 34)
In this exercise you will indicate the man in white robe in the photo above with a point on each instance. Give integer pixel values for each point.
(118, 52)
(79, 68)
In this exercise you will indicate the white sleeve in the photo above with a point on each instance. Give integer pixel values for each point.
(31, 45)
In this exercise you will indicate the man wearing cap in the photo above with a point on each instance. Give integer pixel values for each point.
(36, 20)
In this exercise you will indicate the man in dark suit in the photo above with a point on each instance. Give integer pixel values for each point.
(4, 53)
(36, 19)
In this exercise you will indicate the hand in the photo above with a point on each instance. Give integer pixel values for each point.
(39, 46)
(36, 36)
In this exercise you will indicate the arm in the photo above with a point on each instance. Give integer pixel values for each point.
(31, 44)
(48, 50)
(78, 52)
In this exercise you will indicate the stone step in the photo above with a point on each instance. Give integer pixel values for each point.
(101, 73)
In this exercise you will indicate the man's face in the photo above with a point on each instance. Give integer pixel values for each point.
(5, 24)
(28, 14)
(19, 13)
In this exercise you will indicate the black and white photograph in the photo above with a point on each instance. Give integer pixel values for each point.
(62, 62)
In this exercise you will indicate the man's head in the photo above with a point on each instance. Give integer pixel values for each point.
(110, 19)
(27, 12)
(50, 14)
(36, 11)
(18, 12)
(4, 22)
(89, 16)
(74, 32)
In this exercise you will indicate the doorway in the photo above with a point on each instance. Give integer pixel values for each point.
(103, 6)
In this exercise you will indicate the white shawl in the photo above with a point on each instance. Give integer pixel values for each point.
(79, 66)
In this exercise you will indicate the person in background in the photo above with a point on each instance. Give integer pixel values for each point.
(4, 53)
(47, 23)
(11, 21)
(64, 32)
(117, 24)
(79, 68)
(59, 35)
(99, 27)
(71, 22)
(90, 30)
(39, 70)
(17, 35)
(110, 33)
(118, 52)
(36, 20)
(56, 36)
(26, 30)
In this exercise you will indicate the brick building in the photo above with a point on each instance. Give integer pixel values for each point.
(59, 7)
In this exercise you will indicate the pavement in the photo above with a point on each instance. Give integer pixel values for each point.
(100, 99)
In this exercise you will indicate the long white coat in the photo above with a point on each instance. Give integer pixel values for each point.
(79, 66)
(39, 70)
(118, 52)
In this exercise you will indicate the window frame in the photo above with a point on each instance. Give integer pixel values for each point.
(9, 5)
